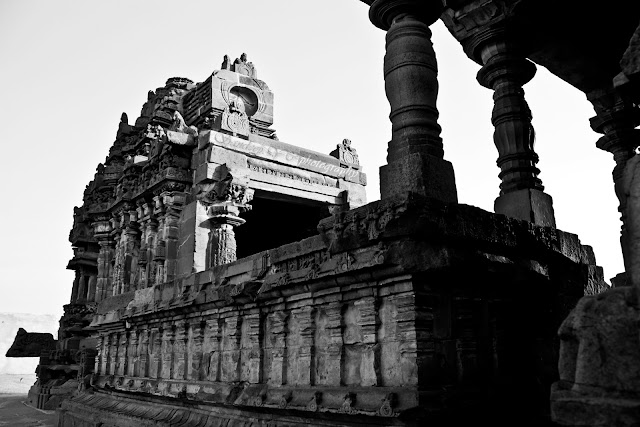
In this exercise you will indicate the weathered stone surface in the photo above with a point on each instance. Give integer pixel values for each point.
(599, 370)
(412, 310)
(30, 344)
(527, 204)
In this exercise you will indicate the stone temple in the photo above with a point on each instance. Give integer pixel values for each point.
(191, 308)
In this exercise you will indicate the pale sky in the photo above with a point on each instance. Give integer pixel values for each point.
(70, 68)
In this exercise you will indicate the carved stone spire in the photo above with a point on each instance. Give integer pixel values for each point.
(415, 154)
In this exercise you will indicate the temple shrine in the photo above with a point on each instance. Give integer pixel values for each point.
(226, 278)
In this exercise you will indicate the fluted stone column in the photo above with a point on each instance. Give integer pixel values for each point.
(222, 241)
(505, 71)
(617, 119)
(415, 153)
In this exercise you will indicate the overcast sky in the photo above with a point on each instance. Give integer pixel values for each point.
(70, 68)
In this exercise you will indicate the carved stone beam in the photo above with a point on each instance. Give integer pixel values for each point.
(617, 119)
(415, 153)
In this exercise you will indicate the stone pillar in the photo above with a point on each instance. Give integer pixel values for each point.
(505, 71)
(102, 232)
(617, 119)
(222, 241)
(415, 154)
(225, 197)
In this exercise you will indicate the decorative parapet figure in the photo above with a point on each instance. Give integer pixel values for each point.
(242, 66)
(346, 153)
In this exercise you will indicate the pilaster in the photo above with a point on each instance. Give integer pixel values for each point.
(155, 363)
(143, 354)
(180, 351)
(333, 363)
(213, 341)
(304, 318)
(123, 347)
(168, 336)
(132, 353)
(173, 202)
(230, 370)
(102, 232)
(367, 319)
(195, 362)
(278, 369)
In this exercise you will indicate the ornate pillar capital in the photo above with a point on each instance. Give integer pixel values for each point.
(382, 13)
(225, 200)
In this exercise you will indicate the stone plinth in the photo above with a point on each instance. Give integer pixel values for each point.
(395, 307)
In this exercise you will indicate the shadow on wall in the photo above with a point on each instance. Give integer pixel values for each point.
(9, 325)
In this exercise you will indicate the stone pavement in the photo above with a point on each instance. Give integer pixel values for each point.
(14, 413)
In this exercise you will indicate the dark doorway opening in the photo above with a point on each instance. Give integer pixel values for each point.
(275, 222)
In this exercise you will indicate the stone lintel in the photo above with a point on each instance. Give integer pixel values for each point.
(527, 204)
(276, 151)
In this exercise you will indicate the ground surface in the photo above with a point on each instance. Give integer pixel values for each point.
(15, 413)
